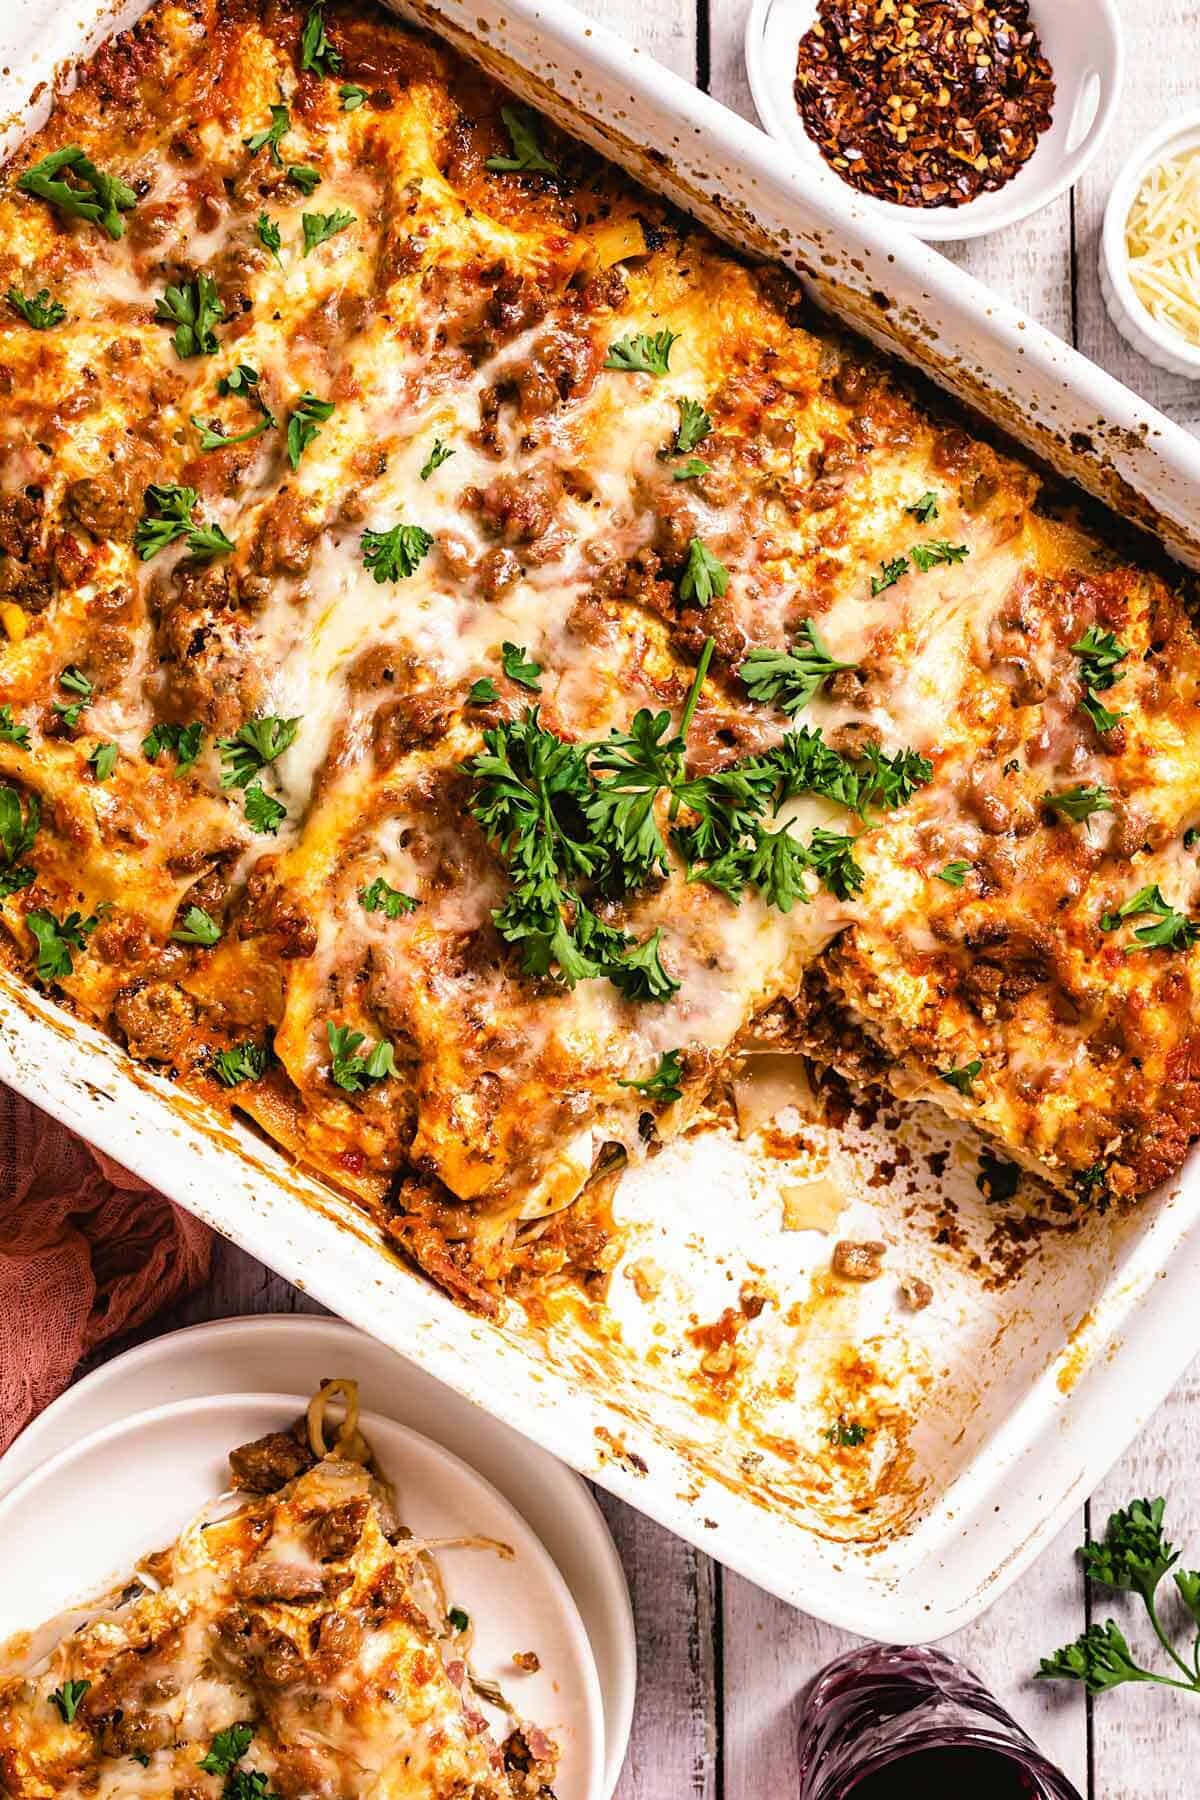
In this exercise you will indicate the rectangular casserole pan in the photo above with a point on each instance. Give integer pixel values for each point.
(1016, 1392)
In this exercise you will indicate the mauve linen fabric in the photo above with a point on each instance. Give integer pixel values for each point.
(87, 1251)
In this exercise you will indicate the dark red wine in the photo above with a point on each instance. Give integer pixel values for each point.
(888, 1722)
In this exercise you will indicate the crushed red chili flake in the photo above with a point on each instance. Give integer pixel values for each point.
(924, 102)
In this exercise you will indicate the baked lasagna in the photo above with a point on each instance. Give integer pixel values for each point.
(479, 659)
(300, 1646)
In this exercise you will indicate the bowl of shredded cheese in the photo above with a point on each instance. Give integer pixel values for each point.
(1150, 248)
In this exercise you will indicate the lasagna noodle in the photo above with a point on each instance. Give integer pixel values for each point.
(476, 308)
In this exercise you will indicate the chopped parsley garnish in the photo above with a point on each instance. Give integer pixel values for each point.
(1173, 931)
(694, 426)
(351, 95)
(954, 874)
(1134, 1557)
(703, 575)
(791, 678)
(306, 179)
(1078, 803)
(847, 1434)
(247, 1784)
(962, 1079)
(103, 760)
(395, 554)
(210, 540)
(168, 517)
(924, 510)
(320, 227)
(316, 51)
(268, 236)
(1191, 836)
(230, 1745)
(457, 1619)
(195, 311)
(264, 813)
(664, 1084)
(17, 831)
(437, 456)
(11, 733)
(92, 195)
(68, 1697)
(642, 353)
(184, 740)
(75, 682)
(889, 574)
(928, 556)
(527, 156)
(304, 424)
(349, 1069)
(688, 471)
(997, 1179)
(38, 310)
(482, 692)
(570, 820)
(256, 744)
(519, 669)
(243, 378)
(638, 972)
(244, 1062)
(1091, 1185)
(270, 136)
(57, 939)
(1100, 657)
(216, 440)
(379, 896)
(198, 927)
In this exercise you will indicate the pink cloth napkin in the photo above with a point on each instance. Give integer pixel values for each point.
(87, 1251)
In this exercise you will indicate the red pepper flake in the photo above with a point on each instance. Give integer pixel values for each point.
(924, 102)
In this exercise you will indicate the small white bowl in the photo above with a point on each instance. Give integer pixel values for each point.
(1082, 42)
(1158, 343)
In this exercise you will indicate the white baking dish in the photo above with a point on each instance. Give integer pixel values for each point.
(1008, 1403)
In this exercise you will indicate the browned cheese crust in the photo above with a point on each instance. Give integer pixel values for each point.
(424, 299)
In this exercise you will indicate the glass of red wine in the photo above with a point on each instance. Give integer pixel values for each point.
(889, 1721)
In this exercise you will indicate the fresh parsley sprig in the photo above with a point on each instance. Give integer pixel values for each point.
(228, 1746)
(694, 426)
(791, 678)
(243, 1062)
(184, 741)
(270, 137)
(642, 352)
(91, 194)
(1134, 1557)
(58, 940)
(197, 927)
(380, 896)
(304, 424)
(75, 682)
(527, 157)
(349, 1069)
(256, 744)
(38, 310)
(437, 456)
(1079, 802)
(847, 1434)
(1173, 930)
(68, 1699)
(316, 52)
(18, 829)
(665, 1084)
(320, 227)
(10, 732)
(1100, 656)
(395, 554)
(704, 576)
(195, 310)
(168, 517)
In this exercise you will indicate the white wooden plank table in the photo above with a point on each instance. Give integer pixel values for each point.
(722, 1664)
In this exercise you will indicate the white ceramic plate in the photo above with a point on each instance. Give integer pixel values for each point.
(145, 1476)
(300, 1350)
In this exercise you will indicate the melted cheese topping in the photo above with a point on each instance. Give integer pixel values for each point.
(296, 1617)
(473, 308)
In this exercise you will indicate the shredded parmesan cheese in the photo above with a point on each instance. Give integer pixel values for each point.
(1162, 235)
